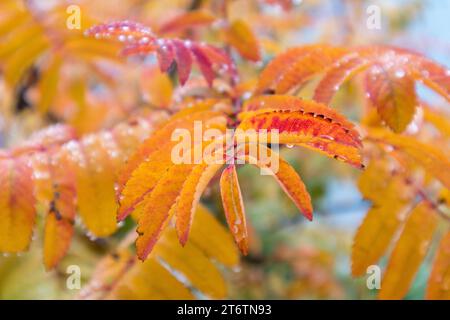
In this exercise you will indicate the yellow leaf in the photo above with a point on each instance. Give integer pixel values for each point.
(95, 176)
(156, 87)
(212, 238)
(149, 280)
(17, 212)
(192, 263)
(48, 84)
(382, 221)
(431, 159)
(409, 252)
(439, 280)
(60, 219)
(241, 37)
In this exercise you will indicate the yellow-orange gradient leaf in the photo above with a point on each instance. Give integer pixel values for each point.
(393, 94)
(213, 238)
(187, 20)
(383, 219)
(60, 220)
(431, 159)
(409, 252)
(155, 210)
(241, 37)
(17, 201)
(295, 66)
(171, 271)
(95, 171)
(234, 207)
(193, 187)
(198, 112)
(155, 156)
(286, 176)
(199, 270)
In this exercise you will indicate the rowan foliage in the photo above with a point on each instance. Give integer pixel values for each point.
(109, 97)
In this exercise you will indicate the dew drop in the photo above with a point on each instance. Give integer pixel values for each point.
(400, 73)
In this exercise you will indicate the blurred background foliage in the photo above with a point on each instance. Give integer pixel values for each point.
(289, 257)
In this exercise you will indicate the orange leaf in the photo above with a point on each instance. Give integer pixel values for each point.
(382, 220)
(313, 130)
(293, 67)
(439, 281)
(193, 187)
(409, 252)
(393, 94)
(339, 73)
(286, 176)
(164, 133)
(155, 210)
(187, 20)
(234, 207)
(156, 159)
(241, 37)
(306, 67)
(17, 211)
(433, 75)
(431, 159)
(156, 87)
(159, 203)
(60, 219)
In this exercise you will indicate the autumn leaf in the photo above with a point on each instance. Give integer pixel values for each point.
(120, 276)
(141, 177)
(60, 219)
(193, 188)
(187, 20)
(17, 205)
(383, 219)
(308, 124)
(391, 74)
(240, 36)
(94, 175)
(139, 39)
(234, 207)
(439, 281)
(340, 72)
(431, 159)
(393, 95)
(409, 252)
(286, 176)
(295, 66)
